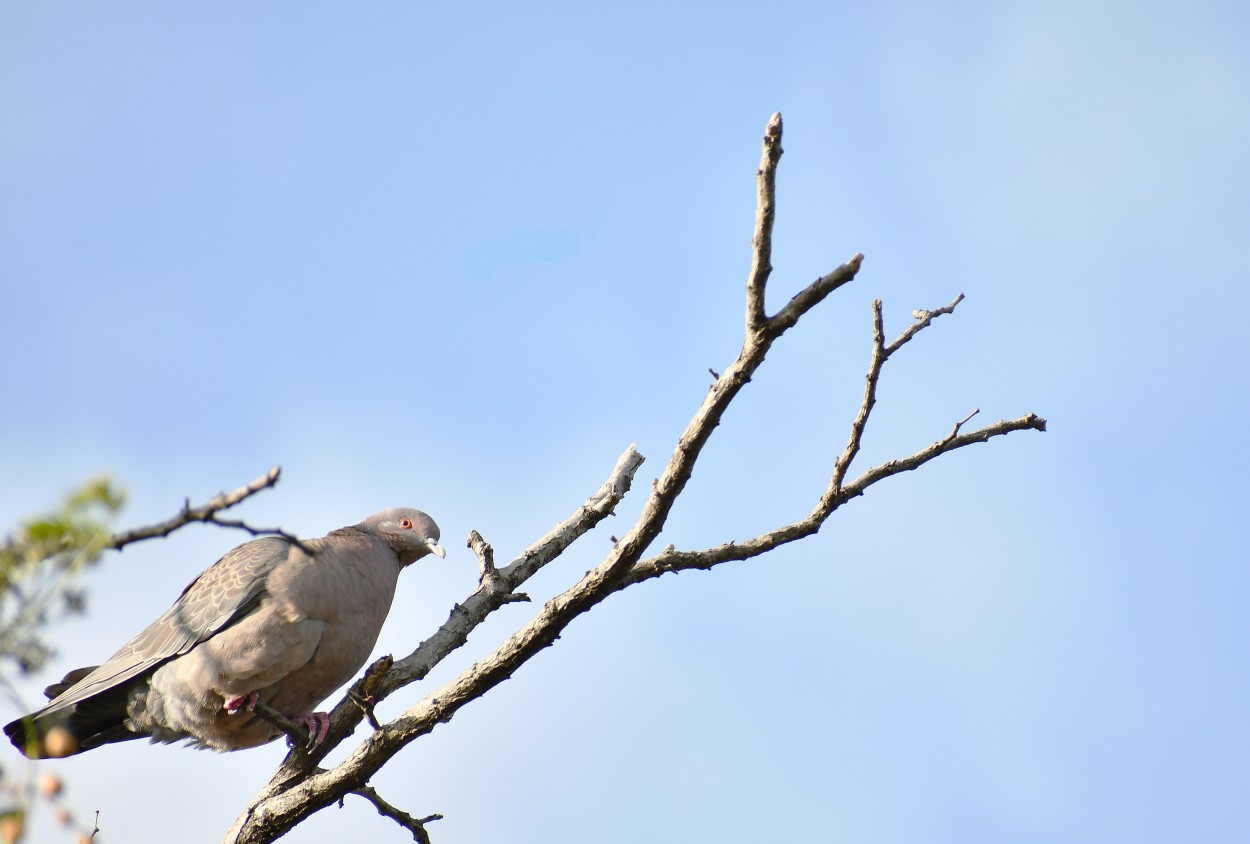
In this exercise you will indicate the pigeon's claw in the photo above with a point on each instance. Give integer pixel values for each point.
(247, 702)
(318, 726)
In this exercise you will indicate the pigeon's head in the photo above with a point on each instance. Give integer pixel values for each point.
(410, 533)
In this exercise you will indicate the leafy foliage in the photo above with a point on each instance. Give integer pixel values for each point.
(40, 564)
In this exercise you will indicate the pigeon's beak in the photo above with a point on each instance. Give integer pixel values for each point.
(436, 549)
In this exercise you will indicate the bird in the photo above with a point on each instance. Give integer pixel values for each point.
(274, 621)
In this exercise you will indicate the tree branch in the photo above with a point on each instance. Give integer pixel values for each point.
(835, 493)
(880, 354)
(207, 513)
(870, 398)
(671, 559)
(299, 788)
(765, 213)
(288, 798)
(923, 319)
(414, 825)
(489, 575)
(966, 420)
(815, 293)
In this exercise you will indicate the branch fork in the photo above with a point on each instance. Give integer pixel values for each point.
(489, 577)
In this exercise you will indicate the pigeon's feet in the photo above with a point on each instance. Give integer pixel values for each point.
(317, 724)
(248, 702)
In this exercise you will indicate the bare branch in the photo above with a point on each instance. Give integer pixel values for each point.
(765, 214)
(880, 354)
(923, 318)
(597, 507)
(414, 825)
(870, 398)
(254, 531)
(835, 493)
(1028, 422)
(207, 513)
(290, 796)
(671, 559)
(299, 788)
(285, 808)
(961, 423)
(815, 293)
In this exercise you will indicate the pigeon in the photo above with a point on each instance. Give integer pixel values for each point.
(270, 622)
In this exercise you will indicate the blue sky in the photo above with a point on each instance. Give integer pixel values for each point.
(460, 257)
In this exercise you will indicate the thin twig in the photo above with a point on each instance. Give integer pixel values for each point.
(955, 430)
(923, 318)
(207, 512)
(414, 825)
(255, 531)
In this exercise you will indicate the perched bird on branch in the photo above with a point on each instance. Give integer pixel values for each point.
(273, 622)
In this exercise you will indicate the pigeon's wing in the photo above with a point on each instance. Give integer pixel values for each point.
(221, 595)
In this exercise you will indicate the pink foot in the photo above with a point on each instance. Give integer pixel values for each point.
(317, 724)
(248, 702)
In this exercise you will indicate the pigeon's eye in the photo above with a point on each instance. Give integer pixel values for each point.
(406, 524)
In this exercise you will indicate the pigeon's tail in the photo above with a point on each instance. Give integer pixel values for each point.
(57, 731)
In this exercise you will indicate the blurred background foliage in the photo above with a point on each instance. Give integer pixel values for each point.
(40, 565)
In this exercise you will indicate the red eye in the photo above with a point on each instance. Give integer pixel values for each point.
(405, 523)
